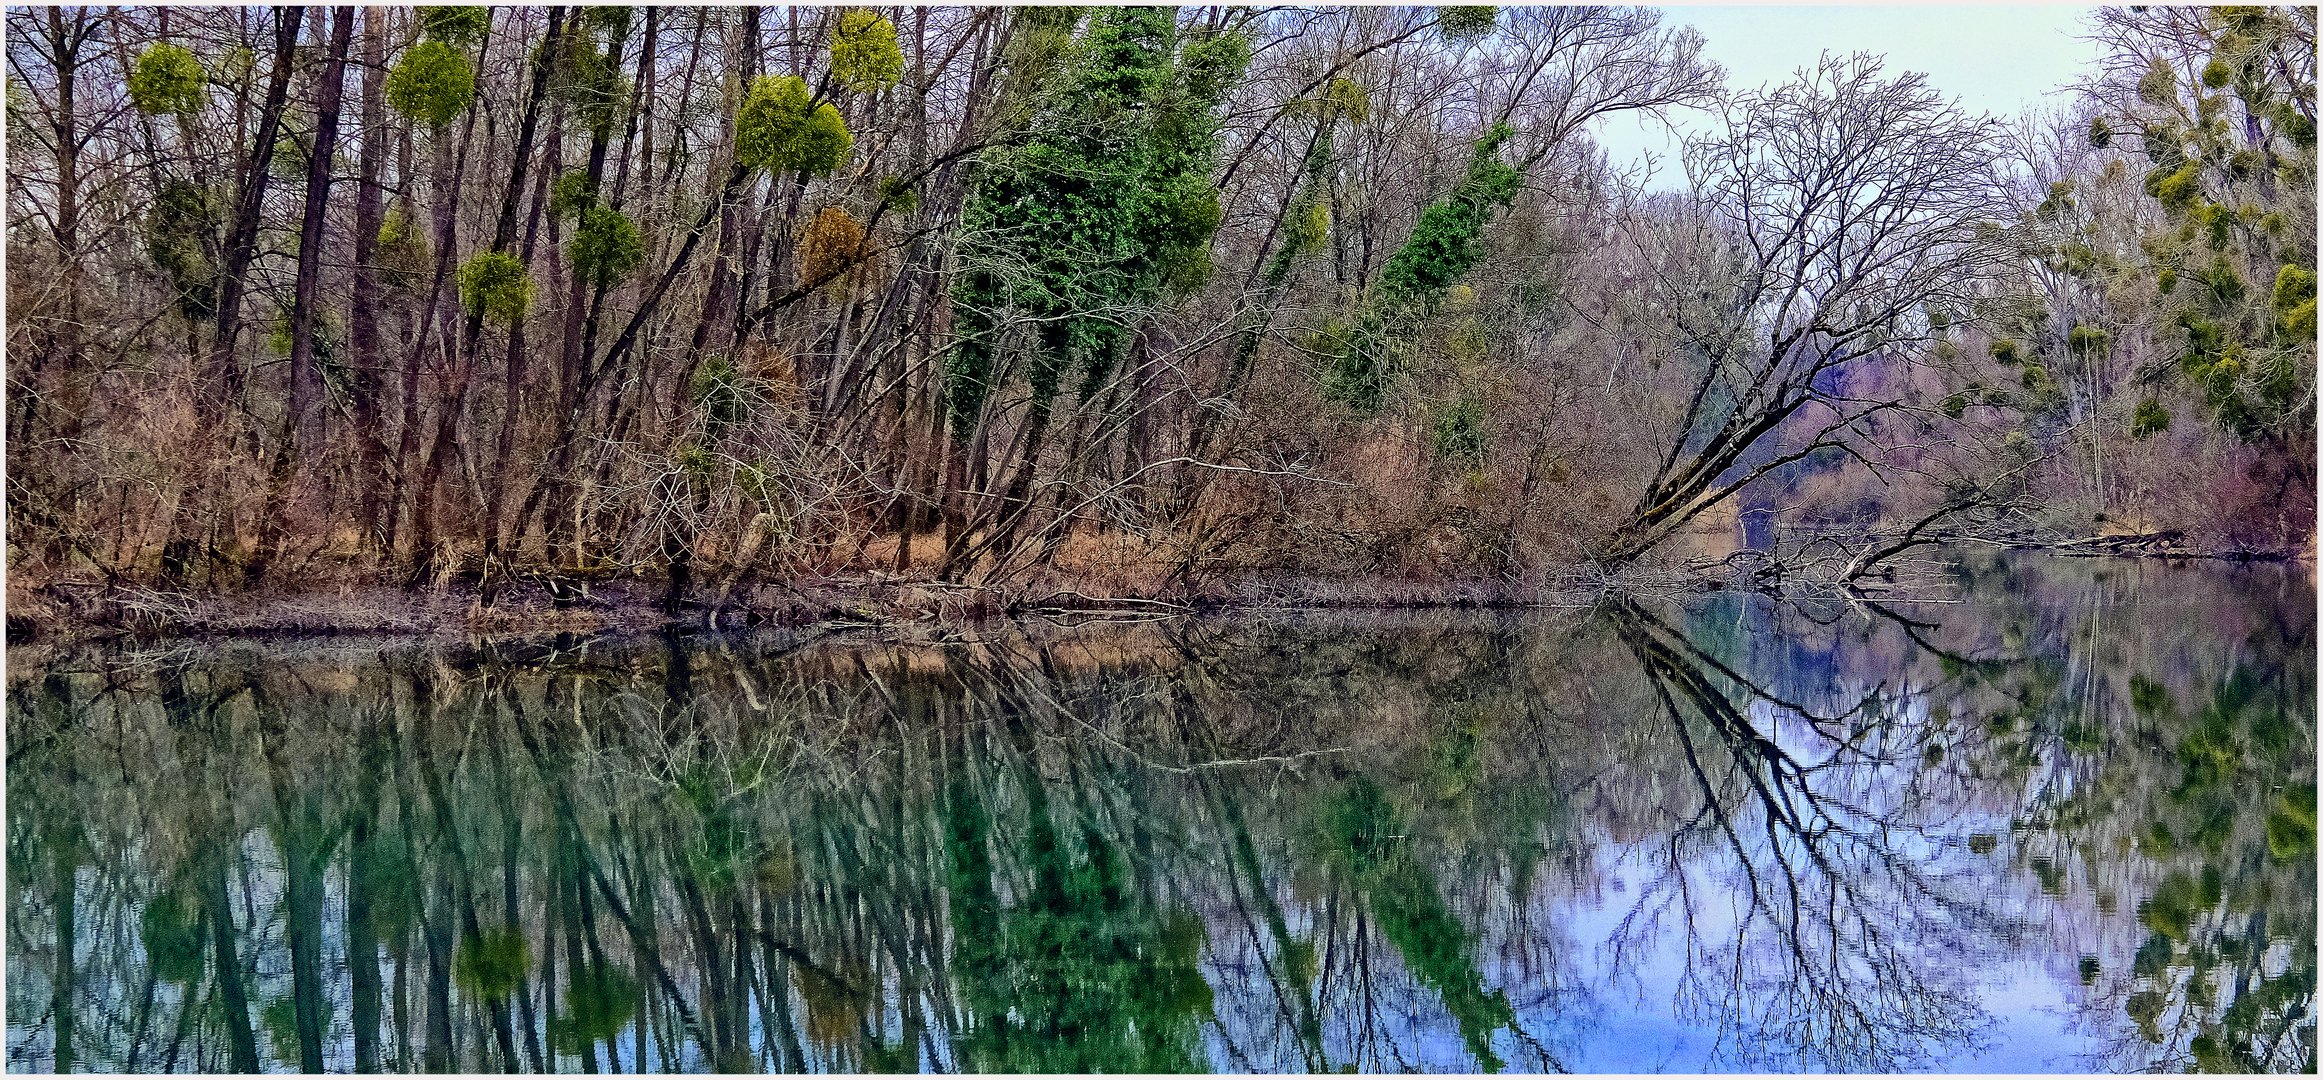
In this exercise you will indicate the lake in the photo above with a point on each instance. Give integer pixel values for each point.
(2057, 816)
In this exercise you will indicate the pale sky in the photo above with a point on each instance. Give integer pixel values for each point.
(1996, 58)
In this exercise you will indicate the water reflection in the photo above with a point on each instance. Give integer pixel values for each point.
(2067, 823)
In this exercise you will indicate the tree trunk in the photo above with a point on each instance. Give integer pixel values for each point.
(225, 381)
(302, 428)
(363, 354)
(427, 546)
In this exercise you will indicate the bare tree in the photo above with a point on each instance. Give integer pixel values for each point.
(1832, 216)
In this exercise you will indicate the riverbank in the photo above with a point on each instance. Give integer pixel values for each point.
(64, 611)
(92, 610)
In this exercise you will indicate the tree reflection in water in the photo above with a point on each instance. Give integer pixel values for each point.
(1766, 836)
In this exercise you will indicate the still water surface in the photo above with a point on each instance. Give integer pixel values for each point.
(2064, 822)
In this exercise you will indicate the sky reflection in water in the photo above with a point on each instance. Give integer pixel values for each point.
(2065, 824)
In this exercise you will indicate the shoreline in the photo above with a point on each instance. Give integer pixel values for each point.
(95, 611)
(80, 612)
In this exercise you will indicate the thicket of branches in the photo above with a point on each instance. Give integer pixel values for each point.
(1147, 296)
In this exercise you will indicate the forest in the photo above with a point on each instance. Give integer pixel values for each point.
(533, 305)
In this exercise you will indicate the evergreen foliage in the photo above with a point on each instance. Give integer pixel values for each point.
(1106, 206)
(612, 20)
(1456, 432)
(590, 78)
(864, 55)
(898, 195)
(455, 25)
(1467, 23)
(495, 285)
(1444, 246)
(180, 232)
(402, 252)
(167, 79)
(432, 83)
(571, 193)
(719, 390)
(780, 128)
(606, 247)
(2224, 183)
(1348, 100)
(2151, 418)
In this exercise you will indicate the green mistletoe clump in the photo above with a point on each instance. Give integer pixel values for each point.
(864, 55)
(781, 128)
(432, 83)
(494, 284)
(166, 79)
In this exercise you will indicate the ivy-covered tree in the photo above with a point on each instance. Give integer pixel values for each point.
(1075, 230)
(1071, 236)
(1444, 246)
